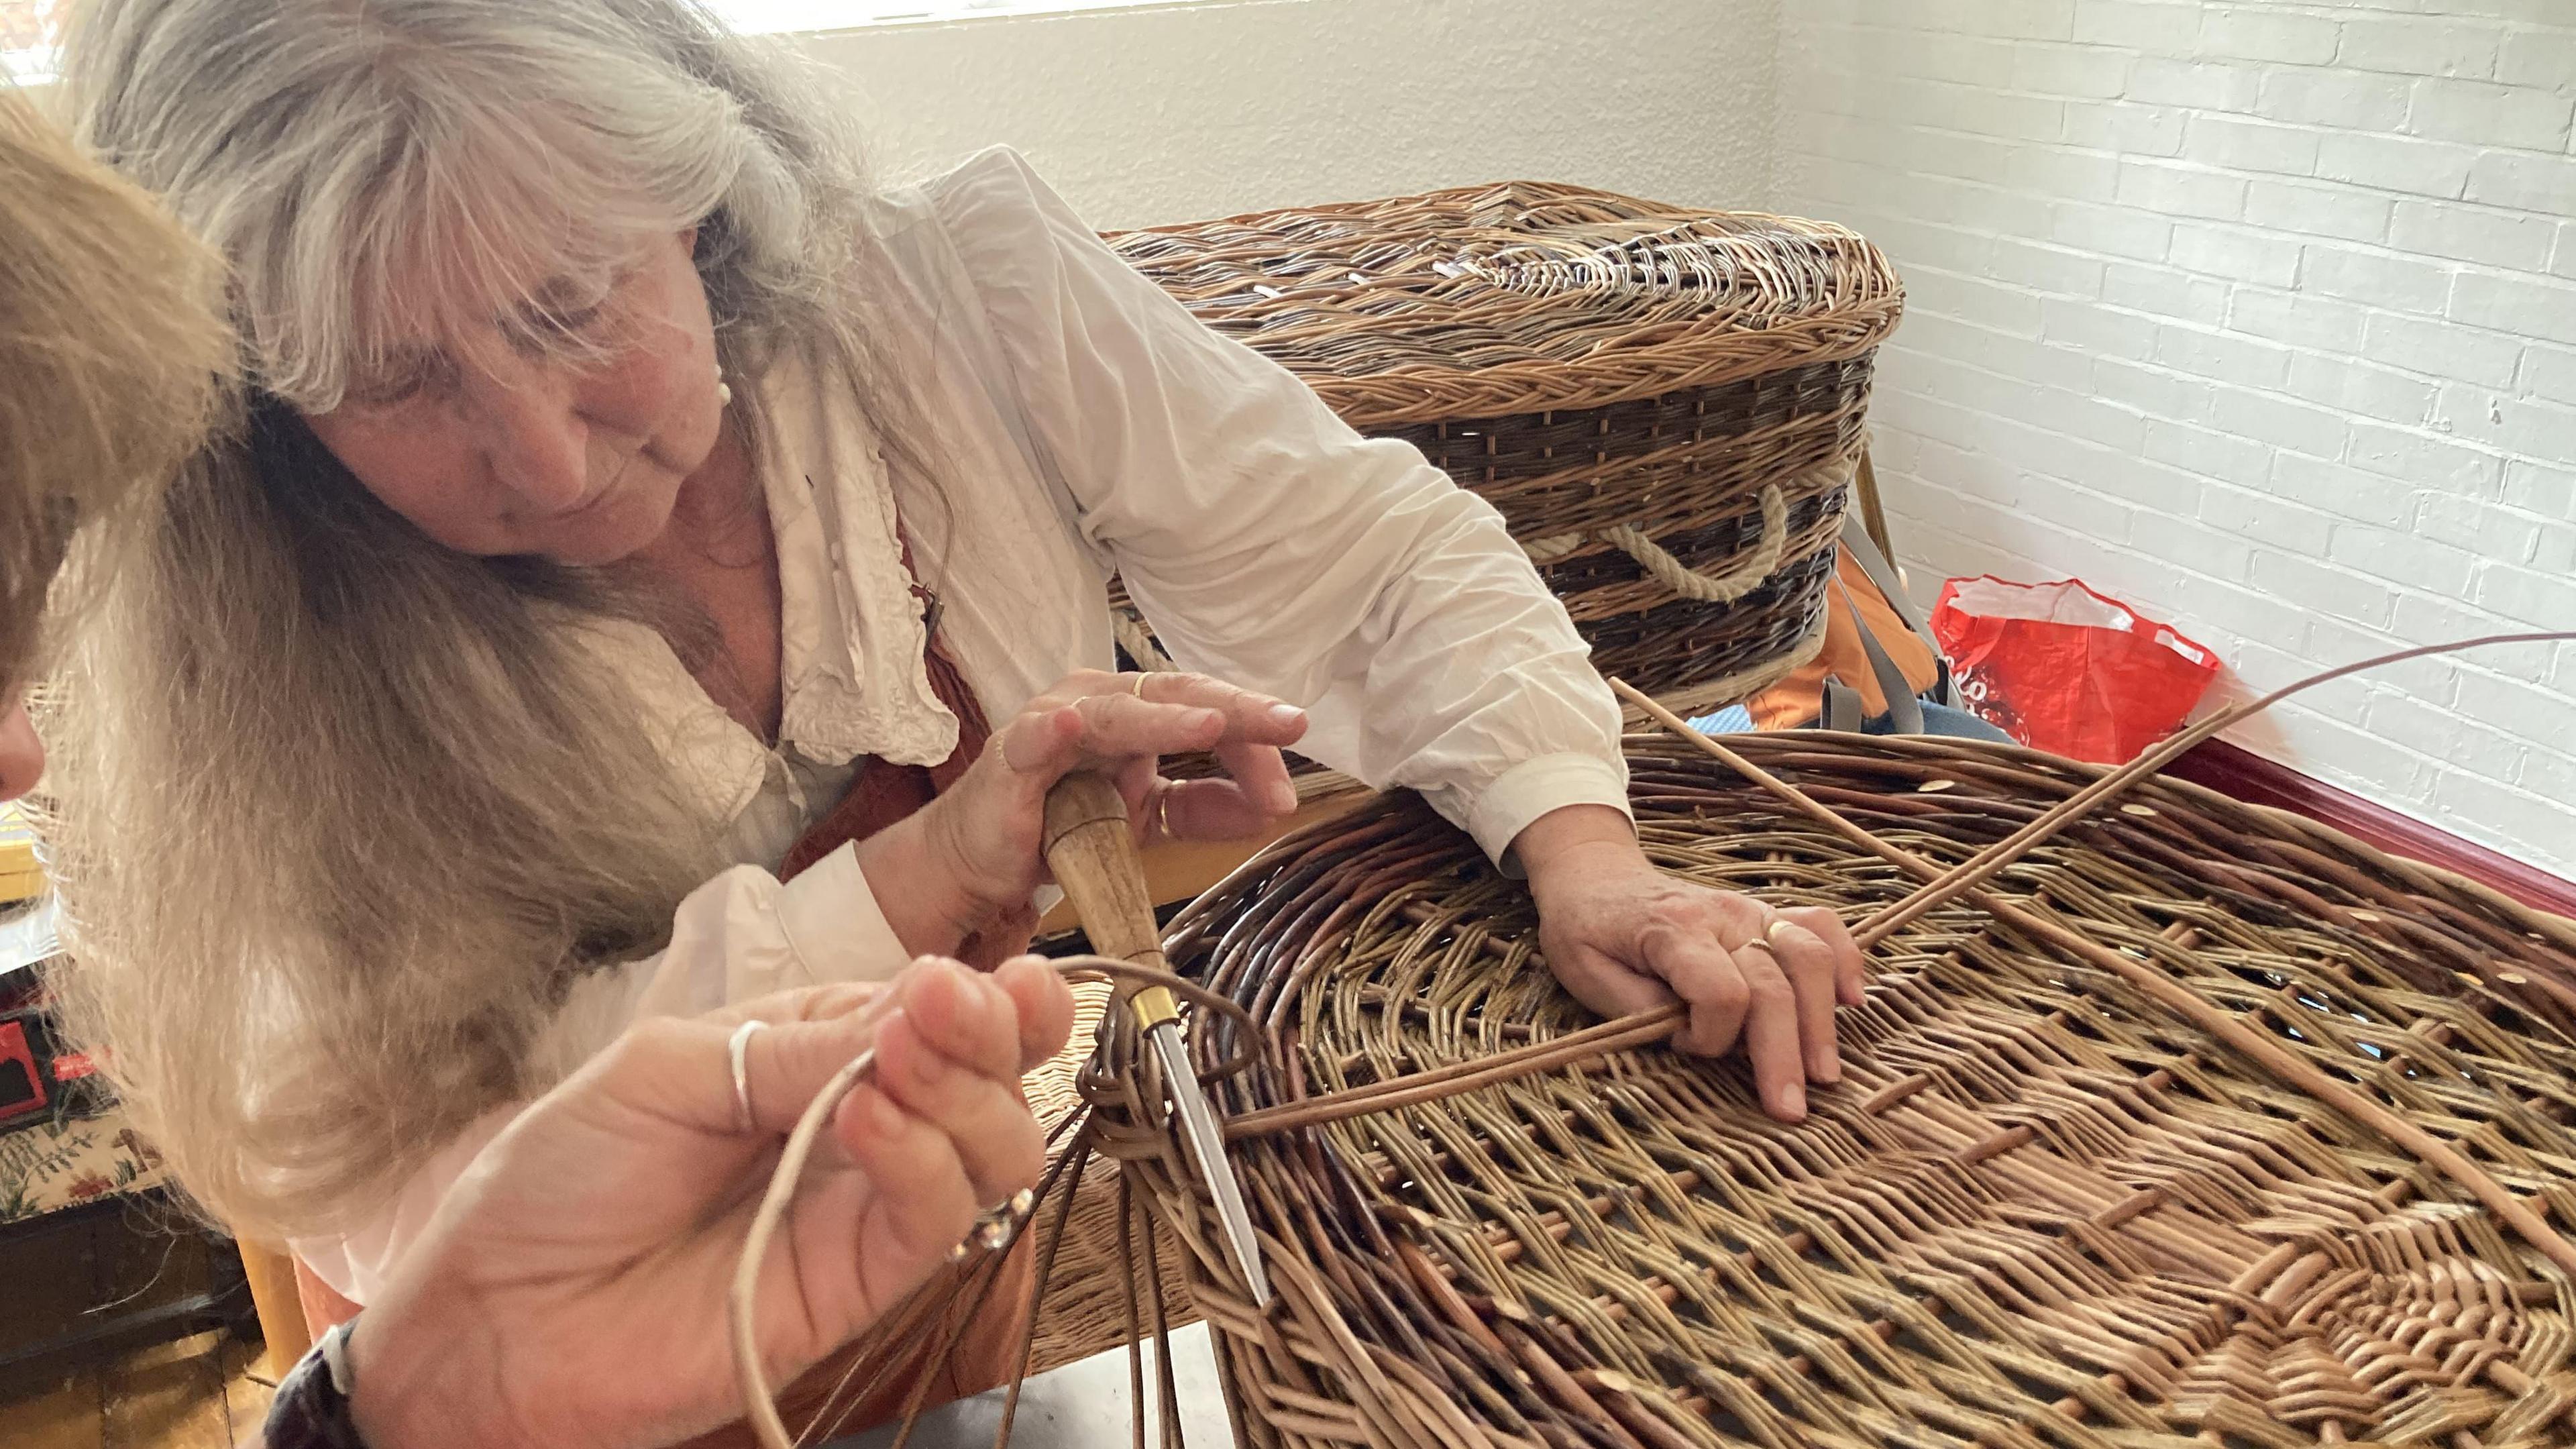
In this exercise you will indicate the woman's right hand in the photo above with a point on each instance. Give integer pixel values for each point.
(971, 860)
(572, 1290)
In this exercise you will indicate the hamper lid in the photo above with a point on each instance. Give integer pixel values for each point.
(1522, 296)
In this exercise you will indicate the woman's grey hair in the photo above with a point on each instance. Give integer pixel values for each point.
(341, 811)
(355, 158)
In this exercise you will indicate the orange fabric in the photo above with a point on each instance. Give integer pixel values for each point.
(879, 794)
(1801, 697)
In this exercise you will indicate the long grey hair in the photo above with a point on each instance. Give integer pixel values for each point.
(341, 811)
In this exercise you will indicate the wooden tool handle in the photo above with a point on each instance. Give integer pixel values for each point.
(1094, 857)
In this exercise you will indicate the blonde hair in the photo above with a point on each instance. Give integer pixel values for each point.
(343, 812)
(109, 352)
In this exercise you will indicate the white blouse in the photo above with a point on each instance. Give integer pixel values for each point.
(1088, 425)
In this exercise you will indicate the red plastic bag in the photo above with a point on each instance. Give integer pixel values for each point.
(2064, 669)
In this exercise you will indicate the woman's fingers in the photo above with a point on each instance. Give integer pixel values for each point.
(1771, 1033)
(999, 1145)
(1701, 973)
(1045, 1006)
(1260, 776)
(924, 1202)
(1749, 995)
(952, 1058)
(961, 1015)
(1043, 742)
(1811, 968)
(1120, 725)
(785, 1066)
(1255, 716)
(1605, 984)
(1821, 923)
(1213, 809)
(1145, 714)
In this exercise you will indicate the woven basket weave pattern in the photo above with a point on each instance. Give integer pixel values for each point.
(1617, 377)
(1663, 464)
(2040, 1209)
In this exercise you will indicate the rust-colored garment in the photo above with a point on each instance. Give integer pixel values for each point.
(1799, 698)
(988, 1337)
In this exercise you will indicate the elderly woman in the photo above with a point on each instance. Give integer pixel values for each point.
(601, 613)
(535, 1311)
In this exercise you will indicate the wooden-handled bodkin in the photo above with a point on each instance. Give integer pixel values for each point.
(1092, 851)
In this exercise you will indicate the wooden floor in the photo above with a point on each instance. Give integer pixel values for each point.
(196, 1393)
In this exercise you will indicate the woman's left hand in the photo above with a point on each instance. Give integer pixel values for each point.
(1624, 937)
(969, 861)
(572, 1291)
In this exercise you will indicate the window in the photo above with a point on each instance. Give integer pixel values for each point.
(769, 17)
(28, 29)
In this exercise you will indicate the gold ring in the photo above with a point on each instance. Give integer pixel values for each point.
(1163, 808)
(1136, 685)
(1771, 933)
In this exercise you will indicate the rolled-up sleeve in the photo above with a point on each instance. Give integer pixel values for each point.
(1269, 544)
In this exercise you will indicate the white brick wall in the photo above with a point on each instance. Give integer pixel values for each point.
(2258, 313)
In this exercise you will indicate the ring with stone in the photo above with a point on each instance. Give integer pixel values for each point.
(995, 1226)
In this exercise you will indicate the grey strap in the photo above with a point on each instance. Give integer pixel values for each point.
(1841, 707)
(1882, 573)
(1904, 711)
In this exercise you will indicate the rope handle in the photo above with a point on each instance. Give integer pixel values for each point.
(1750, 571)
(1747, 575)
(1139, 642)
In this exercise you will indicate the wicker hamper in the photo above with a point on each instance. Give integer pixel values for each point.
(2047, 1205)
(1665, 404)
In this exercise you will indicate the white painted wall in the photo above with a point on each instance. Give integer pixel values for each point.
(1177, 112)
(2262, 316)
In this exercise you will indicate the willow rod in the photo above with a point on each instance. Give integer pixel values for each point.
(1953, 883)
(1940, 887)
(2283, 1064)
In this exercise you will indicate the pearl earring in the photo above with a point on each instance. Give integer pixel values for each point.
(724, 389)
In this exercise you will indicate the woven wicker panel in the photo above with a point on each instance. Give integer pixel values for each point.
(2040, 1208)
(1665, 404)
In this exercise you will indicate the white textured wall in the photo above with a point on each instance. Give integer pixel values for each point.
(2262, 316)
(1176, 112)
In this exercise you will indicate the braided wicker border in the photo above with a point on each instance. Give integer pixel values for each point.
(1524, 297)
